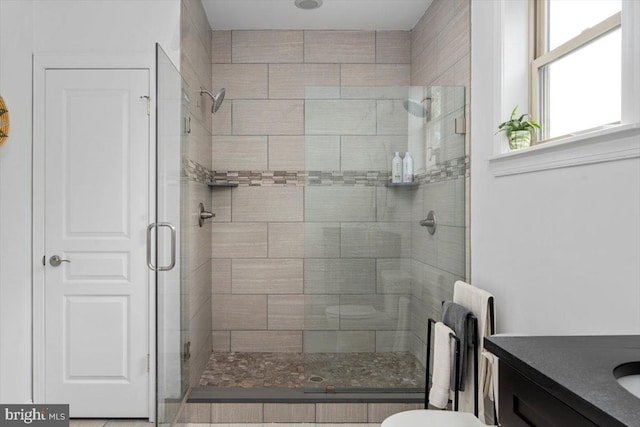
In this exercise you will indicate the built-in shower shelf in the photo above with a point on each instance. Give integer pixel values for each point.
(402, 184)
(213, 184)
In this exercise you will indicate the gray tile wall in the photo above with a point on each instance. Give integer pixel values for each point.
(282, 255)
(195, 46)
(440, 52)
(279, 259)
(291, 253)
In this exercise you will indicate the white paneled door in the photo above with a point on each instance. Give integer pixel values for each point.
(96, 213)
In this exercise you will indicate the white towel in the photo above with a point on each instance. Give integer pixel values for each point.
(443, 352)
(492, 378)
(477, 301)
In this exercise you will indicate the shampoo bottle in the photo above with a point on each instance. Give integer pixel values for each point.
(407, 168)
(396, 169)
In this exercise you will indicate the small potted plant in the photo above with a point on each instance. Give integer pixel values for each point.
(519, 129)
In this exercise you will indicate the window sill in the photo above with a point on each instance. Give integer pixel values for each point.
(611, 143)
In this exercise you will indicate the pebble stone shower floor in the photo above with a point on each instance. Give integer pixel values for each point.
(313, 370)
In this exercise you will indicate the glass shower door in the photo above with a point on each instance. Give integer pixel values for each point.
(357, 262)
(171, 368)
(373, 274)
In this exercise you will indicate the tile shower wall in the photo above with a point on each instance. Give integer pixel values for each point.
(281, 253)
(440, 56)
(357, 231)
(195, 44)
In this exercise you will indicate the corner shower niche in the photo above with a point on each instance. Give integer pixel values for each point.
(371, 275)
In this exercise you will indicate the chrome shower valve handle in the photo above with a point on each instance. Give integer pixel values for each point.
(429, 222)
(204, 215)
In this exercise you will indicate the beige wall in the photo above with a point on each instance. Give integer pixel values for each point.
(195, 44)
(265, 278)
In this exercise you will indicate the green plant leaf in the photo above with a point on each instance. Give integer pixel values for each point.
(524, 122)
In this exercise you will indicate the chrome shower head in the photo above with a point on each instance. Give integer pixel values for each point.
(216, 99)
(415, 108)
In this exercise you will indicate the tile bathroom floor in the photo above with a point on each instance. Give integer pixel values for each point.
(144, 423)
(295, 370)
(282, 425)
(94, 422)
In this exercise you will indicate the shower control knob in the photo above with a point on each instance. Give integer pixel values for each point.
(203, 215)
(429, 222)
(55, 261)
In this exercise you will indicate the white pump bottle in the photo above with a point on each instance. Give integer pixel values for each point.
(407, 168)
(396, 169)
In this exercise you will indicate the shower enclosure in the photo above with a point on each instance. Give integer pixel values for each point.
(371, 273)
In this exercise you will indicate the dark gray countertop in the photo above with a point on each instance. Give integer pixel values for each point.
(577, 370)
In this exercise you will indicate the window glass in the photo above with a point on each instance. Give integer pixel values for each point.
(582, 90)
(568, 18)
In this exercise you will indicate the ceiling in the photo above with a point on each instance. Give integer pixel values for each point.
(333, 15)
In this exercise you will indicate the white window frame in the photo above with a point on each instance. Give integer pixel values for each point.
(543, 57)
(608, 143)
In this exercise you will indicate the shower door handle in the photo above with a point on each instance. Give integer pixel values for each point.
(149, 263)
(173, 246)
(172, 263)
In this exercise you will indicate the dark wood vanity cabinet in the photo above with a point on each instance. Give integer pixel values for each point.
(523, 403)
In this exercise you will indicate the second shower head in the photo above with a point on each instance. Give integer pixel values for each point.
(418, 109)
(216, 99)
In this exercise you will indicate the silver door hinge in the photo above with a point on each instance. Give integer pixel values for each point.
(148, 103)
(187, 351)
(148, 362)
(461, 125)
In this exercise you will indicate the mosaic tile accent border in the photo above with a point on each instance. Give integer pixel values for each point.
(258, 178)
(451, 169)
(348, 178)
(194, 171)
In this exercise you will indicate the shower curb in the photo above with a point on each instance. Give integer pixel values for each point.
(285, 395)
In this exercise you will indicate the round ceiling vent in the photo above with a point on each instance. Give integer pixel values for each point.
(308, 4)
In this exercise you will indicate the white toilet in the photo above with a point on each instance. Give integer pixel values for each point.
(435, 418)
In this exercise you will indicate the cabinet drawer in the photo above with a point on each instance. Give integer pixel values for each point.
(524, 403)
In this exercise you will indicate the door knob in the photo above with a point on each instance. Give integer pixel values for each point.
(56, 260)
